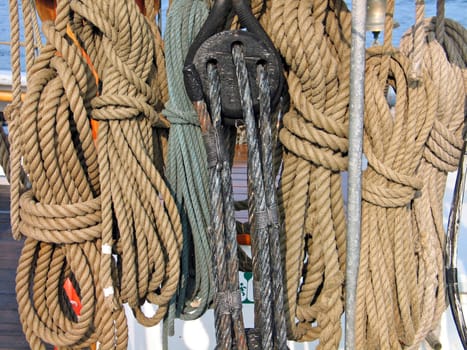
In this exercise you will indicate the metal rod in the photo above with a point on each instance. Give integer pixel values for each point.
(357, 78)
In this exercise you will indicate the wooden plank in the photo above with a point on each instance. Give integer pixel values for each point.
(10, 328)
(7, 287)
(10, 342)
(7, 274)
(8, 301)
(9, 316)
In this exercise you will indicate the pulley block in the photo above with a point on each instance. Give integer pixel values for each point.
(217, 50)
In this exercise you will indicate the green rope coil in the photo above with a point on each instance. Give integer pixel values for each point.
(187, 163)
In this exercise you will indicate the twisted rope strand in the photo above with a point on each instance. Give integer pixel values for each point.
(69, 209)
(316, 49)
(187, 163)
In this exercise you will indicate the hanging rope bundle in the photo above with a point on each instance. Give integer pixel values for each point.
(446, 61)
(398, 284)
(93, 202)
(140, 220)
(441, 155)
(187, 163)
(60, 215)
(313, 37)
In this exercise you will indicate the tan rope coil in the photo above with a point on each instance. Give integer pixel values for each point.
(313, 36)
(397, 282)
(441, 155)
(60, 215)
(91, 207)
(393, 281)
(135, 199)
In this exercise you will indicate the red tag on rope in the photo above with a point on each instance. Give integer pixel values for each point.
(73, 297)
(75, 301)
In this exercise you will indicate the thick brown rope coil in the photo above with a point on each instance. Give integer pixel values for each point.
(98, 212)
(313, 37)
(136, 202)
(60, 215)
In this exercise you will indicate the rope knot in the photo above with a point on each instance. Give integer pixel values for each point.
(399, 189)
(113, 107)
(10, 111)
(316, 137)
(180, 117)
(315, 133)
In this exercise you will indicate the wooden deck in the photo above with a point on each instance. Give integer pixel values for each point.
(11, 334)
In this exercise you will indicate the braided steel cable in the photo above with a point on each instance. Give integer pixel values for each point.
(260, 237)
(267, 162)
(227, 311)
(267, 266)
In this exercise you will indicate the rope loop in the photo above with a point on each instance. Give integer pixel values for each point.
(314, 39)
(60, 224)
(75, 216)
(121, 107)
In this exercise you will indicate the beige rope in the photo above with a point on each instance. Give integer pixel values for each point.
(312, 35)
(12, 115)
(418, 38)
(149, 230)
(11, 112)
(60, 215)
(87, 204)
(400, 287)
(441, 155)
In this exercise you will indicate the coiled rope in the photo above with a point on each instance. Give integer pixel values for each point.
(313, 37)
(98, 213)
(445, 41)
(187, 163)
(400, 285)
(441, 155)
(60, 215)
(390, 292)
(147, 220)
